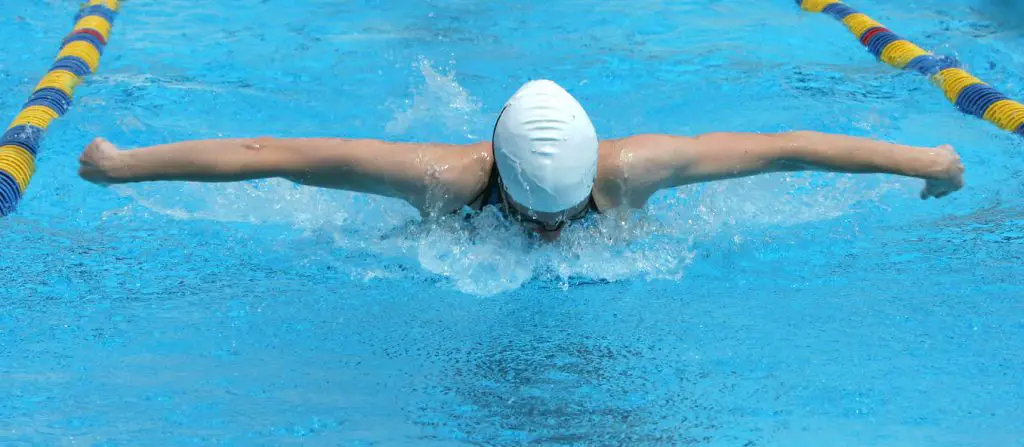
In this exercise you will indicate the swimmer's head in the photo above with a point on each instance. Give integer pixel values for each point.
(545, 148)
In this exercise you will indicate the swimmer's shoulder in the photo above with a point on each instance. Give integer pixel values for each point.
(621, 161)
(473, 171)
(454, 175)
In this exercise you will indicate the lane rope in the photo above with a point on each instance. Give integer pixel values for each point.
(79, 55)
(969, 94)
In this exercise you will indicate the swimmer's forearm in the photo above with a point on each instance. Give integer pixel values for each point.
(222, 160)
(840, 153)
(226, 160)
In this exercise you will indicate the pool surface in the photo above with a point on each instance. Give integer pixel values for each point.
(790, 309)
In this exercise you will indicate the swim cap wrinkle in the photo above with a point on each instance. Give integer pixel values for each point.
(546, 148)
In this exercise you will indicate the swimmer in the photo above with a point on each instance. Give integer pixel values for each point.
(543, 167)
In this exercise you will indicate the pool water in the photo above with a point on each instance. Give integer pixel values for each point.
(790, 309)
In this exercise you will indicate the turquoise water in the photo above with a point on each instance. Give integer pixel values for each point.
(797, 309)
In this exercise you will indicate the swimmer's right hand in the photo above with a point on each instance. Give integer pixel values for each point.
(99, 162)
(948, 177)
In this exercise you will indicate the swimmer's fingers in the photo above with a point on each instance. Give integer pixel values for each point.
(928, 191)
(939, 189)
(97, 162)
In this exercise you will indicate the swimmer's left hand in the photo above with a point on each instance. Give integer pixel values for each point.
(948, 176)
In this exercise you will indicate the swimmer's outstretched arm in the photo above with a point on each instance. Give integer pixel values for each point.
(431, 177)
(653, 162)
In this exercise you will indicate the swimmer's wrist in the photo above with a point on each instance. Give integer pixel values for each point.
(926, 163)
(119, 169)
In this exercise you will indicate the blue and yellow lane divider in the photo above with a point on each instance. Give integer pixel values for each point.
(79, 55)
(968, 93)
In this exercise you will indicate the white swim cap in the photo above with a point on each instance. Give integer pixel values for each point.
(546, 148)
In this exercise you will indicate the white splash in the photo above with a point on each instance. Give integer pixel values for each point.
(440, 100)
(774, 200)
(270, 201)
(488, 255)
